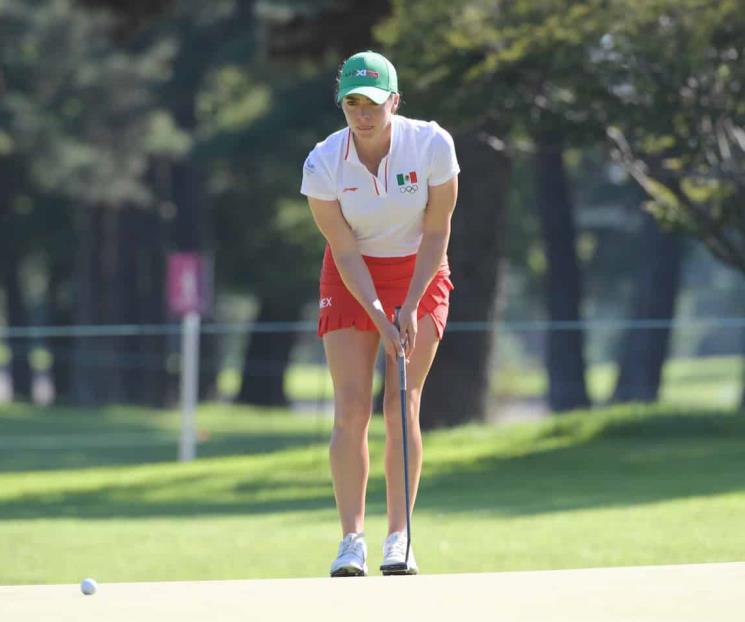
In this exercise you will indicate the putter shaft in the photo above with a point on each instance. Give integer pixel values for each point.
(402, 385)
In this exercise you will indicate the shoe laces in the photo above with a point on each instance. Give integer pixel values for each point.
(352, 543)
(395, 545)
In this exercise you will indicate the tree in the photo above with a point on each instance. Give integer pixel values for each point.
(249, 138)
(629, 265)
(80, 124)
(10, 255)
(643, 350)
(458, 383)
(565, 348)
(269, 109)
(675, 73)
(518, 69)
(676, 127)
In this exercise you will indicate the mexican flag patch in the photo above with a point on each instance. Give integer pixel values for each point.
(406, 178)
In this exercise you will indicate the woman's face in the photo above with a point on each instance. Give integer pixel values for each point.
(367, 119)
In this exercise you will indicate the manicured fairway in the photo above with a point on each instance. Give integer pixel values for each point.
(618, 487)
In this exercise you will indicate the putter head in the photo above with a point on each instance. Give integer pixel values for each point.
(393, 570)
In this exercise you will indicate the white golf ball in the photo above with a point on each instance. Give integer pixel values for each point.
(88, 586)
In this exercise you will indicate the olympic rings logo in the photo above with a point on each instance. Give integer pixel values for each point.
(409, 189)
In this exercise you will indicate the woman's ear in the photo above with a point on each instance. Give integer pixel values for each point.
(396, 101)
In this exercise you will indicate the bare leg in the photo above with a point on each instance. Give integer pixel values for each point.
(416, 373)
(351, 357)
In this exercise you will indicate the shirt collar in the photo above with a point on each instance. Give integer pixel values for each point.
(350, 151)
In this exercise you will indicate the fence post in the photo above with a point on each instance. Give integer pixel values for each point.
(190, 325)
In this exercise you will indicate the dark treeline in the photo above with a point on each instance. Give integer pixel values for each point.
(130, 130)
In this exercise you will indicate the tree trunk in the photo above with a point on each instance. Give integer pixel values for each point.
(564, 356)
(458, 387)
(267, 357)
(101, 296)
(163, 383)
(115, 293)
(153, 376)
(108, 278)
(61, 314)
(742, 395)
(643, 351)
(88, 356)
(126, 307)
(20, 369)
(16, 312)
(17, 317)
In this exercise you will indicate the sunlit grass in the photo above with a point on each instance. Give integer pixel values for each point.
(618, 486)
(714, 382)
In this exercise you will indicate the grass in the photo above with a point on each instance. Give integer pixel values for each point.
(303, 382)
(59, 438)
(618, 486)
(703, 382)
(699, 382)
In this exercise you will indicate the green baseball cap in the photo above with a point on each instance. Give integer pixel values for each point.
(369, 74)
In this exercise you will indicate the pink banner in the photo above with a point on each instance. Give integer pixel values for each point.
(189, 287)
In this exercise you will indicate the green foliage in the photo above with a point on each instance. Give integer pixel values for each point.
(251, 127)
(77, 110)
(164, 139)
(271, 246)
(663, 77)
(517, 66)
(230, 101)
(675, 70)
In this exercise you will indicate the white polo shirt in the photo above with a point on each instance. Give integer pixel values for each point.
(385, 211)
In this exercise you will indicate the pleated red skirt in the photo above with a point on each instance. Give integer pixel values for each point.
(391, 276)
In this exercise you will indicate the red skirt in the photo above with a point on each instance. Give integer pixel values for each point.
(391, 276)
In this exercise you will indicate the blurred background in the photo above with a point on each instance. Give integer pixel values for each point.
(598, 246)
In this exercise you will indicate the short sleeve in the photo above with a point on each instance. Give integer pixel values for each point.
(317, 181)
(444, 163)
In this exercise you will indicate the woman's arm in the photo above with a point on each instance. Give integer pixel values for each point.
(435, 238)
(352, 268)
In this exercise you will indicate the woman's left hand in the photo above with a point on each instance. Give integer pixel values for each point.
(407, 322)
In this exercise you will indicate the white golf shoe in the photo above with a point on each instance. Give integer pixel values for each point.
(352, 558)
(394, 556)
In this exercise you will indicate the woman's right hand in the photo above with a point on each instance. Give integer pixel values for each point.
(391, 339)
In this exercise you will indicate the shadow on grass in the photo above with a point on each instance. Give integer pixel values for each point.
(623, 464)
(38, 439)
(140, 500)
(166, 450)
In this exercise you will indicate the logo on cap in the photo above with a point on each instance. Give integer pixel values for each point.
(367, 73)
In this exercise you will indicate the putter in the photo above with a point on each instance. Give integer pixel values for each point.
(403, 568)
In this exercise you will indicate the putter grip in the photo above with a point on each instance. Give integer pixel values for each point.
(401, 363)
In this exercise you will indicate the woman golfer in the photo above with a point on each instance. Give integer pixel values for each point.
(382, 192)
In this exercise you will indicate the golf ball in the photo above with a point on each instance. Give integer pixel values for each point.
(88, 586)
